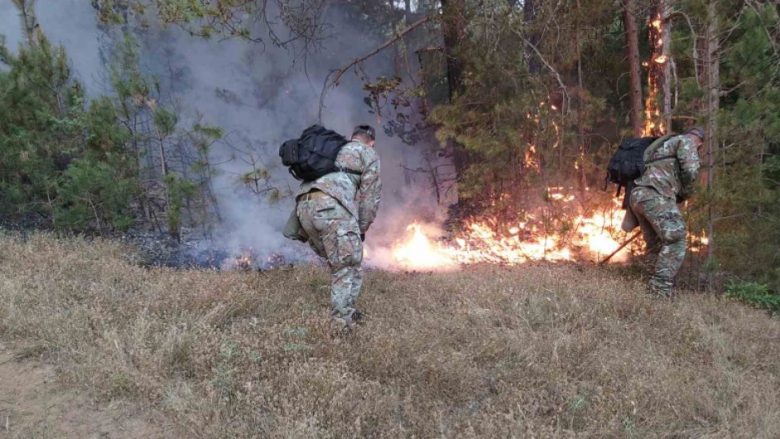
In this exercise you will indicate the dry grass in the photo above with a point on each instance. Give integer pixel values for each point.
(533, 351)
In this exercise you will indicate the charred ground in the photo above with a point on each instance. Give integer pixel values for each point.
(531, 351)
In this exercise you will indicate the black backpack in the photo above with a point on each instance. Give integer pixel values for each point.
(313, 155)
(628, 164)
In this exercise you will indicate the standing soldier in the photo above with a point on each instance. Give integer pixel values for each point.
(669, 178)
(335, 212)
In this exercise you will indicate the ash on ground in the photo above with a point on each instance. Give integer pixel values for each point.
(152, 249)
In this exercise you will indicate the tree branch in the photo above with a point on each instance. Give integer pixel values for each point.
(334, 77)
(550, 67)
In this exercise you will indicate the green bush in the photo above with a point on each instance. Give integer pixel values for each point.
(754, 293)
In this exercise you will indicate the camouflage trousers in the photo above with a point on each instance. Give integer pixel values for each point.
(334, 234)
(663, 228)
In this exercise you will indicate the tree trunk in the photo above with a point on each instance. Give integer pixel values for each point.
(453, 30)
(583, 181)
(634, 66)
(712, 93)
(529, 15)
(666, 34)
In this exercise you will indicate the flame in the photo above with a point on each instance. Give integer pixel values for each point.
(530, 159)
(654, 125)
(419, 252)
(489, 241)
(698, 241)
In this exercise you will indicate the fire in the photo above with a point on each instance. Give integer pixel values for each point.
(419, 252)
(592, 237)
(654, 125)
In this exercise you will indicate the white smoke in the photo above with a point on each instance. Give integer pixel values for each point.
(260, 95)
(70, 23)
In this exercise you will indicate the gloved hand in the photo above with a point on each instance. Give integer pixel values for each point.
(362, 237)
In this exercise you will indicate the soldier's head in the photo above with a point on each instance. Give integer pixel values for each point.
(697, 134)
(365, 134)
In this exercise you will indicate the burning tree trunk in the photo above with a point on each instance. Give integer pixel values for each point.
(658, 119)
(632, 40)
(665, 11)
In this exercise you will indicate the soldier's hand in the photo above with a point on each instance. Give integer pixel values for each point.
(362, 237)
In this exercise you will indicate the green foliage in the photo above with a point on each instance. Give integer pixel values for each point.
(179, 191)
(61, 163)
(94, 196)
(78, 165)
(755, 294)
(743, 201)
(164, 121)
(518, 128)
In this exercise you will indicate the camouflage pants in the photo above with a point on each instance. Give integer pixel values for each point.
(334, 235)
(663, 228)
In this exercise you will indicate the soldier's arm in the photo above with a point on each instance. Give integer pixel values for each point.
(689, 161)
(369, 191)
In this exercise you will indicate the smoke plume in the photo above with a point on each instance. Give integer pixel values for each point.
(261, 95)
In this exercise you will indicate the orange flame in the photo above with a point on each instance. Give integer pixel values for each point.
(593, 237)
(654, 125)
(420, 252)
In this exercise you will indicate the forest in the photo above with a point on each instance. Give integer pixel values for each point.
(147, 288)
(492, 108)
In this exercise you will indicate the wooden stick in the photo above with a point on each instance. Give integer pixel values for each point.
(622, 246)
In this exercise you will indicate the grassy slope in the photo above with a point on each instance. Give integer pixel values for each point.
(544, 351)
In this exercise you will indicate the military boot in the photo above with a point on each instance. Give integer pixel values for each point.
(348, 320)
(660, 291)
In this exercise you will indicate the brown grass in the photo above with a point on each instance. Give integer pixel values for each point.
(532, 351)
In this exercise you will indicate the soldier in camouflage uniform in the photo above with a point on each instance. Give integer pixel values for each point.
(335, 212)
(669, 177)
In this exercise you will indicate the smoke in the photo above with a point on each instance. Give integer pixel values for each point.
(70, 23)
(260, 95)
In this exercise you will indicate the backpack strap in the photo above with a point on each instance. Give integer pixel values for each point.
(656, 143)
(661, 158)
(350, 171)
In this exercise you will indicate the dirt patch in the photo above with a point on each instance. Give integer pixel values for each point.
(33, 404)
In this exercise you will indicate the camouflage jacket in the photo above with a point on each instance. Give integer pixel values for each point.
(671, 168)
(359, 194)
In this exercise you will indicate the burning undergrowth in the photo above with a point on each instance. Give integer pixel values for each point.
(564, 225)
